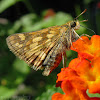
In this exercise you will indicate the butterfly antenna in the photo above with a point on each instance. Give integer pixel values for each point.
(84, 20)
(81, 13)
(88, 29)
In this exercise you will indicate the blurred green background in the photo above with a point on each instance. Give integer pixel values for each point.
(17, 80)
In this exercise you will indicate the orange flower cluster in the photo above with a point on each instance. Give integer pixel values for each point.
(83, 73)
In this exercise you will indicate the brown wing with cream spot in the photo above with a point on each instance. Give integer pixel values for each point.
(34, 47)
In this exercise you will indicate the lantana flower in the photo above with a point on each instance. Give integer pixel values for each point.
(83, 73)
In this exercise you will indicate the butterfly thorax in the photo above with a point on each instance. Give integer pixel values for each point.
(68, 34)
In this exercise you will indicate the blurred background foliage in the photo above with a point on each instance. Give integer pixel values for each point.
(17, 80)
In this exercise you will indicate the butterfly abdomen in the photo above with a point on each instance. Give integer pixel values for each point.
(53, 59)
(53, 62)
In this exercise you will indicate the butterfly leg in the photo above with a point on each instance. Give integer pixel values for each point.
(64, 59)
(77, 34)
(80, 36)
(86, 35)
(71, 38)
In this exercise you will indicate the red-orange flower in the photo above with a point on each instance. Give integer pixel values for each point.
(77, 78)
(82, 73)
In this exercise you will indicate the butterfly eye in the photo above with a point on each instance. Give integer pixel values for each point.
(73, 24)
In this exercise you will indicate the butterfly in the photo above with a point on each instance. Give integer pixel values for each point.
(44, 49)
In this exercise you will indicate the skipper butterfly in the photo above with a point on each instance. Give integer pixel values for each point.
(44, 49)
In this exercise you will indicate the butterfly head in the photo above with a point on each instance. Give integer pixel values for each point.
(75, 24)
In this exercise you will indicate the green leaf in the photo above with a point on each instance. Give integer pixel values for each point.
(6, 92)
(86, 2)
(93, 95)
(59, 19)
(29, 22)
(50, 90)
(24, 24)
(4, 4)
(11, 80)
(20, 71)
(21, 66)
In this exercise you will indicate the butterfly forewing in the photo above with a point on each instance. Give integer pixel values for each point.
(39, 49)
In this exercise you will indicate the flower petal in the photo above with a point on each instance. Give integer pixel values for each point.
(87, 48)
